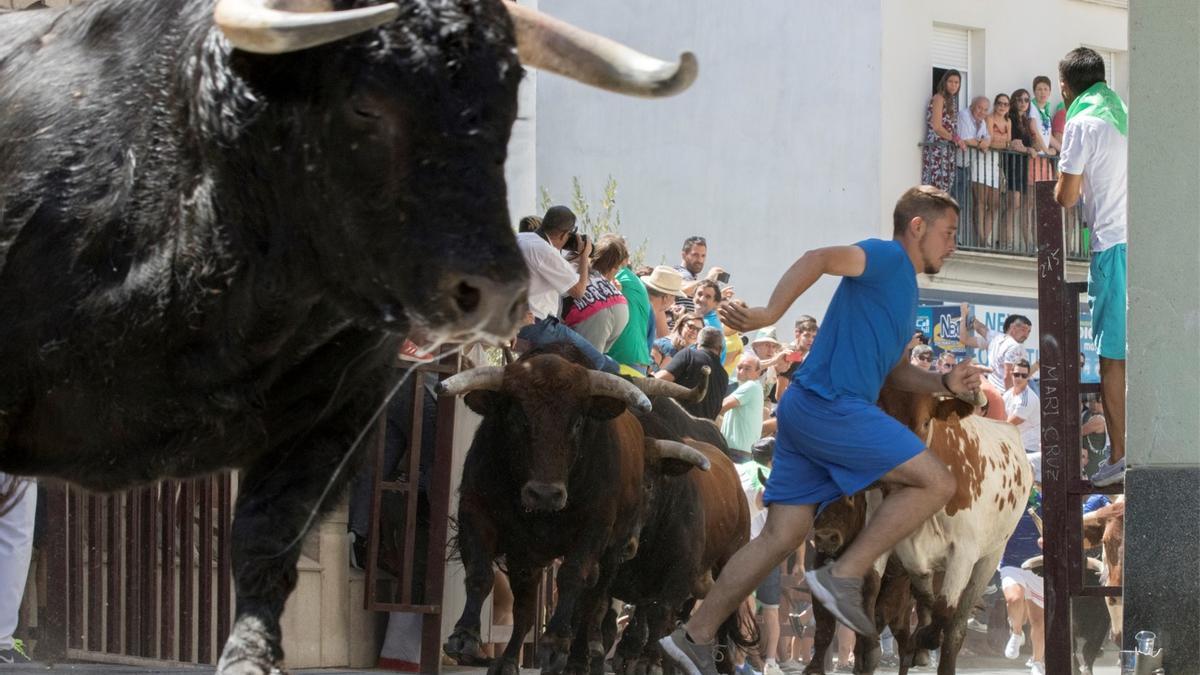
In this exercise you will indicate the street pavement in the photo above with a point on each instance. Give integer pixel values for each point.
(971, 665)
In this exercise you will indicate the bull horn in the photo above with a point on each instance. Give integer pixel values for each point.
(652, 386)
(549, 44)
(280, 26)
(483, 377)
(681, 452)
(604, 384)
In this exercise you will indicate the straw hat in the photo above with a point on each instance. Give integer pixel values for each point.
(767, 335)
(666, 280)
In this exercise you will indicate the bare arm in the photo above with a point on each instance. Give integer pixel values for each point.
(1094, 425)
(843, 261)
(729, 403)
(1068, 189)
(964, 336)
(665, 375)
(585, 268)
(935, 119)
(964, 379)
(1015, 420)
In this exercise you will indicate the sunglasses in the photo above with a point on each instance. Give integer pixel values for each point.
(1021, 376)
(1023, 99)
(926, 359)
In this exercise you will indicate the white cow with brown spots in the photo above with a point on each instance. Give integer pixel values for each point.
(963, 543)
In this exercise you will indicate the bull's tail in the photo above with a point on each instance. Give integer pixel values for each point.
(739, 630)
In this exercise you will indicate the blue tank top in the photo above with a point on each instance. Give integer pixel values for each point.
(869, 322)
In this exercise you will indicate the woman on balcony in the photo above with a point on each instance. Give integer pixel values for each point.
(1027, 129)
(1016, 169)
(1000, 129)
(941, 133)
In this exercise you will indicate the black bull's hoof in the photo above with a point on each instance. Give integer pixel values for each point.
(466, 648)
(552, 653)
(503, 666)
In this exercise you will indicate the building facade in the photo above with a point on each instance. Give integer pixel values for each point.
(802, 129)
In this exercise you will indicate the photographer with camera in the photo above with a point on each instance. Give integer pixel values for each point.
(551, 276)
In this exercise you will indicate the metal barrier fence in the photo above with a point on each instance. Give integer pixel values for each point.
(994, 189)
(140, 577)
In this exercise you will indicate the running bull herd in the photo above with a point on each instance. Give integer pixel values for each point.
(218, 220)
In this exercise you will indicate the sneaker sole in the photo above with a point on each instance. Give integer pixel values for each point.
(1113, 480)
(829, 602)
(681, 660)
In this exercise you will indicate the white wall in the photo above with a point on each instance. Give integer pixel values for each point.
(1020, 39)
(773, 151)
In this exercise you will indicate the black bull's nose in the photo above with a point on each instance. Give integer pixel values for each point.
(538, 496)
(481, 304)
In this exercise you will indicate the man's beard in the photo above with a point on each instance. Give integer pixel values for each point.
(693, 268)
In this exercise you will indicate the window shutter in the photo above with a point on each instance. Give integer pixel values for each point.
(951, 47)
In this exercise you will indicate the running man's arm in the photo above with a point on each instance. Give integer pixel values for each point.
(730, 403)
(1068, 188)
(962, 380)
(842, 261)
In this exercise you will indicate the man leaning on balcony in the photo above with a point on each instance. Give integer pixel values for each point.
(1094, 166)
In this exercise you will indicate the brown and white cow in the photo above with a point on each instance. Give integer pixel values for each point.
(965, 540)
(1106, 527)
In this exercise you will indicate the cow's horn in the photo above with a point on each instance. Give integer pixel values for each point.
(652, 386)
(603, 384)
(279, 26)
(483, 377)
(549, 44)
(681, 452)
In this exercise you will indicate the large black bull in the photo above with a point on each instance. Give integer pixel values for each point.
(216, 224)
(555, 471)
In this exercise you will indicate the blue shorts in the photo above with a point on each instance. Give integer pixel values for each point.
(770, 590)
(825, 449)
(1106, 297)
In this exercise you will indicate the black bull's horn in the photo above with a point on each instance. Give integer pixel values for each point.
(652, 386)
(680, 451)
(280, 26)
(599, 384)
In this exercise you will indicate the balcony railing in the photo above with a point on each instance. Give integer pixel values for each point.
(994, 189)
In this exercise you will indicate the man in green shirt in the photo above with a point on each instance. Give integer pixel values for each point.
(652, 294)
(743, 409)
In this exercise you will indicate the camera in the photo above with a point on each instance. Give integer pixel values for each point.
(575, 242)
(723, 277)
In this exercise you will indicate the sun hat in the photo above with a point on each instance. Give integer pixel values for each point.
(665, 280)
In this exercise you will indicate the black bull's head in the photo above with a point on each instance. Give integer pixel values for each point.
(545, 404)
(404, 142)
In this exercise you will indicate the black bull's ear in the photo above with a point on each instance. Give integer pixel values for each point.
(482, 401)
(605, 407)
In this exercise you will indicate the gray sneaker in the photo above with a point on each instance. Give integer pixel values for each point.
(688, 656)
(843, 598)
(1109, 474)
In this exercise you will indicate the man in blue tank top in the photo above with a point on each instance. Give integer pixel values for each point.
(832, 439)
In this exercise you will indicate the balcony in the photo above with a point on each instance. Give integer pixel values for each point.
(994, 189)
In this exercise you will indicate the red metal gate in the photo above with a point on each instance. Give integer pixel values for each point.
(141, 577)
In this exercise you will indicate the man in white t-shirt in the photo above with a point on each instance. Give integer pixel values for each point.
(1094, 166)
(551, 277)
(1023, 408)
(1004, 348)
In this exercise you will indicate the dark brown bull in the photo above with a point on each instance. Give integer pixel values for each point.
(887, 598)
(693, 524)
(555, 471)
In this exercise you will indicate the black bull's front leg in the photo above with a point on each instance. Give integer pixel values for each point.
(279, 498)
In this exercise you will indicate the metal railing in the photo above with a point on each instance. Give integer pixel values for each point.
(140, 577)
(994, 189)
